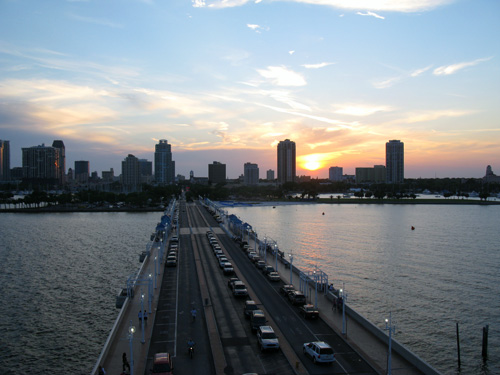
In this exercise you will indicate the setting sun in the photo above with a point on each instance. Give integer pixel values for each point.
(312, 162)
(312, 165)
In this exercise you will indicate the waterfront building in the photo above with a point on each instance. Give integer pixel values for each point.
(270, 175)
(146, 171)
(286, 161)
(217, 173)
(395, 162)
(376, 174)
(335, 173)
(108, 176)
(4, 160)
(131, 176)
(490, 176)
(251, 174)
(82, 171)
(62, 160)
(41, 164)
(164, 165)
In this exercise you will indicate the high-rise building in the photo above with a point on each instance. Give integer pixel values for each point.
(164, 165)
(217, 173)
(62, 159)
(4, 160)
(41, 164)
(82, 171)
(131, 175)
(395, 162)
(286, 161)
(108, 176)
(251, 174)
(335, 174)
(270, 175)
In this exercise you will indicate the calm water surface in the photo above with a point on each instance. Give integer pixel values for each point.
(445, 271)
(59, 275)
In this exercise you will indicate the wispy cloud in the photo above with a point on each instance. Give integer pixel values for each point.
(418, 72)
(281, 76)
(454, 68)
(257, 28)
(360, 110)
(370, 5)
(371, 14)
(386, 83)
(317, 66)
(95, 21)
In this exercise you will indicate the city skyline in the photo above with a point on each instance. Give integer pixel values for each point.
(228, 80)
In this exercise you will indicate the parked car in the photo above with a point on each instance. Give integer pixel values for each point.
(231, 281)
(287, 288)
(267, 269)
(260, 264)
(174, 239)
(249, 307)
(309, 311)
(273, 276)
(257, 319)
(267, 339)
(319, 351)
(297, 298)
(171, 261)
(227, 268)
(239, 289)
(222, 260)
(162, 364)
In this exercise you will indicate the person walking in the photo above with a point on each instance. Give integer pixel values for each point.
(193, 313)
(125, 363)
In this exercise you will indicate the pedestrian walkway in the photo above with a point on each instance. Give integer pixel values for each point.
(120, 340)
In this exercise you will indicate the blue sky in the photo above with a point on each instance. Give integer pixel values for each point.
(226, 80)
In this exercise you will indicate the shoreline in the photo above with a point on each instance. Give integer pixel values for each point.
(57, 209)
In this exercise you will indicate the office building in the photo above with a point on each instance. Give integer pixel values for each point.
(82, 171)
(4, 160)
(286, 161)
(335, 174)
(131, 176)
(108, 176)
(41, 164)
(395, 162)
(251, 174)
(62, 160)
(270, 175)
(377, 174)
(164, 165)
(217, 173)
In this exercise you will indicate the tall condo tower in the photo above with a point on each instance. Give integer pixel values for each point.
(62, 159)
(4, 160)
(41, 164)
(395, 162)
(286, 161)
(250, 174)
(131, 174)
(164, 165)
(217, 173)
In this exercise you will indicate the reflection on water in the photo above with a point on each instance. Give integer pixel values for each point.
(445, 271)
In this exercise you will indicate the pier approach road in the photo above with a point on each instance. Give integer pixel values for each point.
(225, 343)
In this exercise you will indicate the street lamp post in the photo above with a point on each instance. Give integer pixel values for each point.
(291, 267)
(276, 253)
(150, 291)
(155, 270)
(131, 330)
(265, 249)
(344, 298)
(392, 329)
(142, 318)
(315, 290)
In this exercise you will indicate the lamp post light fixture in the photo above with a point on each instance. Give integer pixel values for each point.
(276, 254)
(315, 290)
(392, 329)
(142, 318)
(291, 267)
(344, 298)
(150, 291)
(131, 330)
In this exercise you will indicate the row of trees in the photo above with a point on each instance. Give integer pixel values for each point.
(153, 196)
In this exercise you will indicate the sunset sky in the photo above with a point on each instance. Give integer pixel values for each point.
(226, 80)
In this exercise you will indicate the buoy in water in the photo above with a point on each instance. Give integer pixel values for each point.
(412, 228)
(323, 213)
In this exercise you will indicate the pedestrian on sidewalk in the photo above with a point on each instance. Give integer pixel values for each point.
(193, 313)
(125, 362)
(101, 371)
